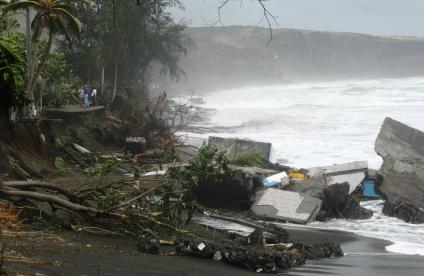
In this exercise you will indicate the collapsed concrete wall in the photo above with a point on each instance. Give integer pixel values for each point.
(238, 147)
(402, 171)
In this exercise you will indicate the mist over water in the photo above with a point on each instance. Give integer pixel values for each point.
(314, 124)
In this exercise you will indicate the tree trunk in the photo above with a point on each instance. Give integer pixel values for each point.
(43, 61)
(115, 83)
(103, 79)
(28, 53)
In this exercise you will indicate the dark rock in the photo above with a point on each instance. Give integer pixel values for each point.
(149, 243)
(404, 211)
(135, 145)
(338, 203)
(235, 193)
(150, 246)
(259, 259)
(402, 172)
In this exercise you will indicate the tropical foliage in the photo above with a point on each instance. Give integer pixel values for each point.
(124, 42)
(54, 16)
(116, 48)
(12, 71)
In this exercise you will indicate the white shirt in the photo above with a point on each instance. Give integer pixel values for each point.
(94, 92)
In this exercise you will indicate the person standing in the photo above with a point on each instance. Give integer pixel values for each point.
(81, 95)
(86, 93)
(94, 96)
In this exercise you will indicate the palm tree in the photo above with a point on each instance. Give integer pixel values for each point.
(54, 16)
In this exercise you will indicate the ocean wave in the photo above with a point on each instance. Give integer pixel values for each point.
(406, 238)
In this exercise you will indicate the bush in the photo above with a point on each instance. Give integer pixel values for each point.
(209, 166)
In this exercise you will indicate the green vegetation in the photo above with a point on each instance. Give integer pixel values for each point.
(121, 45)
(12, 71)
(54, 16)
(113, 47)
(252, 160)
(209, 166)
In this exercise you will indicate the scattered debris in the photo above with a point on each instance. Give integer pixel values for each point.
(285, 205)
(280, 179)
(368, 189)
(271, 259)
(402, 171)
(82, 149)
(238, 147)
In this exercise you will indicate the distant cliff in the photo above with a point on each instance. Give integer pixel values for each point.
(234, 56)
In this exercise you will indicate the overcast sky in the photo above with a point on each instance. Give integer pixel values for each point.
(381, 17)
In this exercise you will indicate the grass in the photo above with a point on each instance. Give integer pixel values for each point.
(252, 160)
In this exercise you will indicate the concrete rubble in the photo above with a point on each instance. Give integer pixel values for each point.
(402, 171)
(285, 205)
(353, 173)
(238, 147)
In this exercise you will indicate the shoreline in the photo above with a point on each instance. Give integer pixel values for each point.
(70, 253)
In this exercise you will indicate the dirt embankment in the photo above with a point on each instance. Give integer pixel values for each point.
(28, 148)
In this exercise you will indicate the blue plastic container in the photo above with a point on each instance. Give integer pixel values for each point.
(368, 188)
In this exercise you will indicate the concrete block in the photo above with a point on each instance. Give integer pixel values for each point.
(238, 147)
(339, 168)
(284, 205)
(354, 180)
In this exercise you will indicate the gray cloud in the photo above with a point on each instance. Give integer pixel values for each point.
(381, 17)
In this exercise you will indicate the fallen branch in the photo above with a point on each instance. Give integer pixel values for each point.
(136, 198)
(40, 184)
(7, 194)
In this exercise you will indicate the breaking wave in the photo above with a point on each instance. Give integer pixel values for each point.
(407, 238)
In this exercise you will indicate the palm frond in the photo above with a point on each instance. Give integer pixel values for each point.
(73, 23)
(12, 7)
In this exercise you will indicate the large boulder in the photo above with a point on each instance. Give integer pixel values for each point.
(402, 171)
(338, 203)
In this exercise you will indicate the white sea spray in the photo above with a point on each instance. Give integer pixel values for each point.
(314, 124)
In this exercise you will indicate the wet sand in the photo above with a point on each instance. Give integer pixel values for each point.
(72, 253)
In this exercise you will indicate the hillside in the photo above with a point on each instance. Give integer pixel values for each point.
(233, 56)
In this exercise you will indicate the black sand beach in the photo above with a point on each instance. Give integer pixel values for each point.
(69, 253)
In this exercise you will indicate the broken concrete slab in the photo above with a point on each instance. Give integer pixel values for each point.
(312, 186)
(402, 171)
(354, 180)
(340, 168)
(285, 205)
(352, 173)
(238, 147)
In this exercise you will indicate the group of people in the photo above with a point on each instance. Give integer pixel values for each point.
(85, 93)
